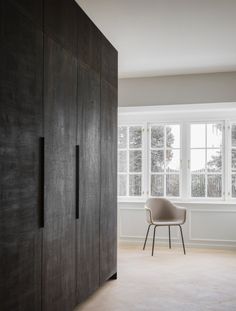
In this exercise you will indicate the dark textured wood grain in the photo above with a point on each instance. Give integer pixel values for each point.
(83, 36)
(89, 42)
(108, 210)
(33, 9)
(60, 87)
(45, 93)
(60, 18)
(109, 69)
(21, 56)
(88, 223)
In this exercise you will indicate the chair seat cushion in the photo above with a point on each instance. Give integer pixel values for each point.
(168, 223)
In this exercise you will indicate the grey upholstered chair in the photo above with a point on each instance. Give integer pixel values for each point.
(161, 212)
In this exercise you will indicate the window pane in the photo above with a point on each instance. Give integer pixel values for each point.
(198, 136)
(135, 137)
(233, 160)
(214, 135)
(173, 136)
(198, 160)
(122, 161)
(135, 161)
(172, 185)
(214, 186)
(234, 186)
(233, 134)
(173, 160)
(157, 136)
(135, 185)
(214, 160)
(157, 185)
(122, 185)
(198, 185)
(122, 137)
(157, 161)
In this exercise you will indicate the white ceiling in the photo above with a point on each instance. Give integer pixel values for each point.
(168, 37)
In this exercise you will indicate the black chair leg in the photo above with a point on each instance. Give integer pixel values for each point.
(153, 242)
(169, 238)
(144, 245)
(182, 238)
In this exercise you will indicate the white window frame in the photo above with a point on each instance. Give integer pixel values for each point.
(223, 172)
(166, 123)
(229, 142)
(184, 115)
(144, 161)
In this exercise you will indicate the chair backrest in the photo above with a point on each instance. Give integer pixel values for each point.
(161, 210)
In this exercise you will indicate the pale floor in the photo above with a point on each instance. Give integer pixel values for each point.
(203, 280)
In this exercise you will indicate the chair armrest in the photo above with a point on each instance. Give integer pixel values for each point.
(181, 213)
(148, 215)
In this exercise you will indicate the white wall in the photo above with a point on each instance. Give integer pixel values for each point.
(208, 225)
(183, 89)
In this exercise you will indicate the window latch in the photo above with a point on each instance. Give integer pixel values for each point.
(189, 164)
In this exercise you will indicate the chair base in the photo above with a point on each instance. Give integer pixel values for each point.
(154, 234)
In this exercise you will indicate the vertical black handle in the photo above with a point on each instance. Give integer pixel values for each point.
(77, 155)
(41, 181)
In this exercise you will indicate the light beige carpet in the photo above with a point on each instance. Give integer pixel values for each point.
(203, 280)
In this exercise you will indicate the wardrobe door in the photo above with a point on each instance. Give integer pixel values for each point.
(33, 9)
(109, 64)
(89, 42)
(89, 184)
(108, 213)
(21, 62)
(60, 21)
(60, 89)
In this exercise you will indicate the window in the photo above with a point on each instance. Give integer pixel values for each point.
(233, 160)
(164, 159)
(206, 160)
(177, 152)
(130, 161)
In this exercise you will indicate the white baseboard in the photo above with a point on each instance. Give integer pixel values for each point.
(139, 242)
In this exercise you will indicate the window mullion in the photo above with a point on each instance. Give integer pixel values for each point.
(206, 179)
(144, 160)
(224, 169)
(128, 194)
(228, 164)
(149, 159)
(184, 154)
(165, 179)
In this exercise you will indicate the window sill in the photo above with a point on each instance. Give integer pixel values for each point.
(132, 200)
(179, 202)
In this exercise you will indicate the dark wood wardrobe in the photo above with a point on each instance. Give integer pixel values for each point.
(58, 155)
